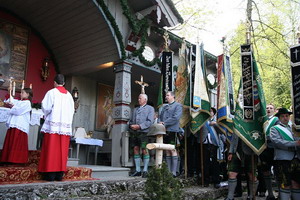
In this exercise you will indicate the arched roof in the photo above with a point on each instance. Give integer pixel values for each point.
(75, 31)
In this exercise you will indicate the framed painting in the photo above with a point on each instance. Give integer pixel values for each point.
(105, 104)
(13, 52)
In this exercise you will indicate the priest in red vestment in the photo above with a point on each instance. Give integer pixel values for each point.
(58, 108)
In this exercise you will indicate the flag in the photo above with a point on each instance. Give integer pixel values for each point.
(166, 83)
(182, 84)
(225, 103)
(200, 106)
(250, 115)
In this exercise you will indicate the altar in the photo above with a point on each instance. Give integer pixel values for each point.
(33, 130)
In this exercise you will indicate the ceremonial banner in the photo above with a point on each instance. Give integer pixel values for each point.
(200, 109)
(225, 96)
(167, 77)
(295, 70)
(181, 84)
(250, 125)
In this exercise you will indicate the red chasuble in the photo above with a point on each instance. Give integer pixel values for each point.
(15, 148)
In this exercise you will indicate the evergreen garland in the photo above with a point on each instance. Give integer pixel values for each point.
(114, 26)
(162, 185)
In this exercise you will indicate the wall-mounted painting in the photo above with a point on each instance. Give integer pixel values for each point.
(105, 104)
(13, 52)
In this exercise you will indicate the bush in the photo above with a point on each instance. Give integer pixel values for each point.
(161, 185)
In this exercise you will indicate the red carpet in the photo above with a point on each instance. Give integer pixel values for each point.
(27, 173)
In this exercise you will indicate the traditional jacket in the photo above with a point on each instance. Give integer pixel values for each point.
(58, 108)
(170, 115)
(284, 142)
(19, 115)
(143, 116)
(240, 147)
(272, 122)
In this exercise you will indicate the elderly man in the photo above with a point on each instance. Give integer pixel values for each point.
(169, 117)
(286, 156)
(142, 118)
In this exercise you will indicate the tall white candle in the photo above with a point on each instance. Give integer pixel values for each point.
(23, 83)
(14, 89)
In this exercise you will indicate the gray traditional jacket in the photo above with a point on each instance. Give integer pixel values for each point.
(237, 145)
(170, 115)
(284, 149)
(143, 116)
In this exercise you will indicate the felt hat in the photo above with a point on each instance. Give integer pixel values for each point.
(283, 111)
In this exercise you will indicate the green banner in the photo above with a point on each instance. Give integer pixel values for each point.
(252, 132)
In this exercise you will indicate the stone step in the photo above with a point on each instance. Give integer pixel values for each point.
(108, 172)
(130, 188)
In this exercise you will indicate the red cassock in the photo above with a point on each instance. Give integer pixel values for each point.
(54, 154)
(15, 148)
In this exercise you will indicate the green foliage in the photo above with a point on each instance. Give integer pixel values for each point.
(161, 185)
(270, 48)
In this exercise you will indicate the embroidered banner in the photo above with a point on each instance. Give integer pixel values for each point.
(200, 105)
(247, 82)
(167, 76)
(295, 69)
(252, 132)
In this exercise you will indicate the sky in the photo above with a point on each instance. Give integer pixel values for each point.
(227, 14)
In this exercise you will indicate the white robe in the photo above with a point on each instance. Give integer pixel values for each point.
(19, 115)
(58, 111)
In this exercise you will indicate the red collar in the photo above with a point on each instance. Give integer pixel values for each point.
(61, 89)
(24, 99)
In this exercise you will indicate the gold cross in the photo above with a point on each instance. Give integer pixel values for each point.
(142, 84)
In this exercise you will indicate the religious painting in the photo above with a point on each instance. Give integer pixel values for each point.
(13, 52)
(105, 104)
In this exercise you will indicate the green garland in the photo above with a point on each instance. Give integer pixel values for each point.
(139, 27)
(114, 26)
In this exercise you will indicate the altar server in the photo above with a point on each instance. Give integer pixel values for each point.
(58, 108)
(15, 148)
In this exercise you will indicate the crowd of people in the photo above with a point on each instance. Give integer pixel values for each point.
(211, 158)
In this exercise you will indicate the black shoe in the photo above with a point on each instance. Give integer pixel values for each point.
(136, 173)
(262, 194)
(217, 186)
(59, 176)
(238, 194)
(49, 176)
(144, 174)
(270, 198)
(228, 198)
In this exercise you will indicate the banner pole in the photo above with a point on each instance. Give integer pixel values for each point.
(185, 154)
(253, 178)
(201, 159)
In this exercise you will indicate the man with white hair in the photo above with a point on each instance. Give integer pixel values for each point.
(141, 119)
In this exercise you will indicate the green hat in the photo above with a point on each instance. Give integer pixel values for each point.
(282, 111)
(156, 129)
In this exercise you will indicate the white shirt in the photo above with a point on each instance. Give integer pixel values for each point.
(58, 111)
(19, 115)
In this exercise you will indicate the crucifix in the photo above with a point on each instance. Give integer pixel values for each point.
(296, 54)
(142, 84)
